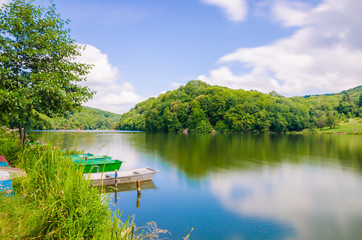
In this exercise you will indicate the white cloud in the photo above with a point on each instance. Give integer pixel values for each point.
(4, 2)
(112, 94)
(323, 54)
(292, 13)
(236, 10)
(175, 85)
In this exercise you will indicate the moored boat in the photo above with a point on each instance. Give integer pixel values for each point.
(98, 165)
(82, 155)
(110, 178)
(5, 183)
(90, 158)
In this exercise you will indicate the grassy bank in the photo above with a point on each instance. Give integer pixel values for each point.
(348, 126)
(53, 201)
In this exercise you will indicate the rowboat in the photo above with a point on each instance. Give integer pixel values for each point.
(88, 158)
(5, 183)
(3, 161)
(110, 178)
(93, 164)
(98, 165)
(83, 155)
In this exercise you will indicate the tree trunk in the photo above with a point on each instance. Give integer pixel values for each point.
(20, 134)
(25, 129)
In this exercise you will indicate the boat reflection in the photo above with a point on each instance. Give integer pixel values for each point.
(125, 187)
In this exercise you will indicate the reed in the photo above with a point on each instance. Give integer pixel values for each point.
(54, 201)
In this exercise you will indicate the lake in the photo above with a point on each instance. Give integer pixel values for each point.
(233, 186)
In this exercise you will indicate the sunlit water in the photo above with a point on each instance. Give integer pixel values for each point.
(237, 186)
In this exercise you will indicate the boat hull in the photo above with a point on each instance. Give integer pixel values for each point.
(109, 178)
(80, 159)
(94, 166)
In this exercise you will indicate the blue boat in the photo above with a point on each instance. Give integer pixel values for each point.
(3, 162)
(5, 184)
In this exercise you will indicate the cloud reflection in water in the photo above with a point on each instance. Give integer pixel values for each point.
(319, 202)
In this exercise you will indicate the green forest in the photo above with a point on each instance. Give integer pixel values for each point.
(202, 108)
(86, 119)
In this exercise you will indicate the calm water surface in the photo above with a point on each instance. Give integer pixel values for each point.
(237, 186)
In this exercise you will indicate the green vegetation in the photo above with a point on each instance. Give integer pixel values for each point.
(53, 201)
(38, 68)
(350, 126)
(87, 119)
(200, 107)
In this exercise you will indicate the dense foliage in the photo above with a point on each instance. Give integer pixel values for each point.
(38, 68)
(86, 119)
(200, 107)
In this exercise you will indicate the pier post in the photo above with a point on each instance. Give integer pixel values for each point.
(115, 197)
(138, 187)
(115, 178)
(138, 204)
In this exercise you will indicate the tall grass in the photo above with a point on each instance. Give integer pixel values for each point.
(53, 201)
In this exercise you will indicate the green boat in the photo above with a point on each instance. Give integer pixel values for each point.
(99, 165)
(90, 158)
(83, 155)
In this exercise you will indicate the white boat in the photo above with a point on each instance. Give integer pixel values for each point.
(110, 178)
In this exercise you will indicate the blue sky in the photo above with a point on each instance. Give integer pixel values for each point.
(141, 48)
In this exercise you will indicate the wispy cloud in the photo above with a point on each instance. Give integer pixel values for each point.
(112, 94)
(235, 10)
(322, 55)
(4, 2)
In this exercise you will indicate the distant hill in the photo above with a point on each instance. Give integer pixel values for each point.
(199, 107)
(87, 119)
(353, 92)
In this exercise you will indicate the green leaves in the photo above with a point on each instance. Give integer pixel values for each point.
(202, 108)
(37, 67)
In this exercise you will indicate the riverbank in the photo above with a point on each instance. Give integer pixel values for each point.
(53, 201)
(350, 126)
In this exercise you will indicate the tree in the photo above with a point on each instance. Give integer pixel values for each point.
(198, 122)
(38, 70)
(332, 119)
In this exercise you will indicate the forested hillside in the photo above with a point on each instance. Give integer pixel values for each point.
(200, 107)
(87, 119)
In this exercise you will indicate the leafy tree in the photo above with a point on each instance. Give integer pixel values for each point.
(37, 64)
(221, 127)
(198, 121)
(201, 107)
(347, 109)
(171, 121)
(332, 119)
